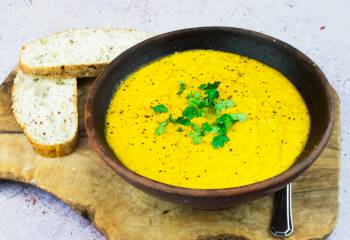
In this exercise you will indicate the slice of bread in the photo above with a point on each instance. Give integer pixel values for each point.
(46, 110)
(76, 53)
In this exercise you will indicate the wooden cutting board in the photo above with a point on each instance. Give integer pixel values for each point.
(122, 212)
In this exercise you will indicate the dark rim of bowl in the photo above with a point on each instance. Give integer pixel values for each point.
(277, 180)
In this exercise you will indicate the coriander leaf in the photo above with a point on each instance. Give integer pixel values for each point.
(208, 101)
(183, 121)
(206, 113)
(207, 86)
(206, 128)
(219, 140)
(224, 122)
(196, 137)
(240, 117)
(194, 99)
(192, 112)
(195, 127)
(171, 119)
(181, 88)
(222, 105)
(180, 120)
(161, 128)
(212, 93)
(205, 106)
(227, 123)
(215, 129)
(160, 108)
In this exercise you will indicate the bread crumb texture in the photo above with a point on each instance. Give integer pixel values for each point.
(46, 108)
(78, 47)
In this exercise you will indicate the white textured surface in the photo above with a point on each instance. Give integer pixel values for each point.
(318, 28)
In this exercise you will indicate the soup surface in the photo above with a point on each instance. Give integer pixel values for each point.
(264, 145)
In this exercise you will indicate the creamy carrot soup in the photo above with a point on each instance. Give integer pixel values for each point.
(207, 119)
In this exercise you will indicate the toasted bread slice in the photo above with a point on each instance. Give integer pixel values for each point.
(46, 110)
(76, 53)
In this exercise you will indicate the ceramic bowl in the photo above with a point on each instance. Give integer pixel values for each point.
(298, 68)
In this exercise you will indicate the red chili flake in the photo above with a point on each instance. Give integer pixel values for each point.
(322, 28)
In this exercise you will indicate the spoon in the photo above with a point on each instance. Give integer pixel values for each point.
(282, 219)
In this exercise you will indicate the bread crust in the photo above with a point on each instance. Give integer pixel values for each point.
(65, 71)
(51, 151)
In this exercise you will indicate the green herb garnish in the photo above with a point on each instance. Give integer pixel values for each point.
(194, 99)
(160, 108)
(208, 105)
(206, 128)
(222, 105)
(196, 135)
(161, 128)
(210, 89)
(219, 140)
(208, 86)
(192, 112)
(225, 122)
(183, 121)
(180, 120)
(171, 119)
(240, 117)
(181, 88)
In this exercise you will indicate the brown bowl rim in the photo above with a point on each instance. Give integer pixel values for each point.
(284, 177)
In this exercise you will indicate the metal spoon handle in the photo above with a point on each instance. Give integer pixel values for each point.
(282, 220)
